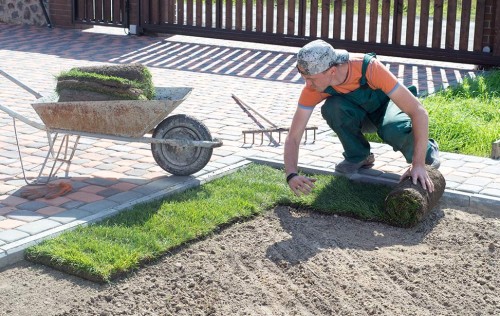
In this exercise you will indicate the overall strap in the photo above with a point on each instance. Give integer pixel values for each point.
(366, 61)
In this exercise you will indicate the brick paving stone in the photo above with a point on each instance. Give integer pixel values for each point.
(146, 159)
(480, 181)
(98, 206)
(50, 210)
(120, 148)
(133, 157)
(487, 175)
(93, 156)
(84, 171)
(11, 235)
(6, 188)
(32, 205)
(143, 165)
(123, 186)
(104, 167)
(135, 180)
(93, 188)
(469, 188)
(56, 201)
(10, 200)
(391, 169)
(321, 164)
(494, 185)
(116, 172)
(451, 184)
(9, 154)
(126, 196)
(111, 160)
(101, 181)
(109, 192)
(8, 223)
(7, 209)
(487, 191)
(445, 170)
(84, 197)
(473, 158)
(25, 216)
(495, 169)
(454, 178)
(77, 185)
(135, 173)
(38, 226)
(158, 174)
(469, 170)
(20, 182)
(71, 204)
(70, 216)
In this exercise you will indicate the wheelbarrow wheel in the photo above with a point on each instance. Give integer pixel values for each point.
(181, 161)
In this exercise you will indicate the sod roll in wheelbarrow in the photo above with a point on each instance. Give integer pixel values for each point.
(407, 204)
(104, 83)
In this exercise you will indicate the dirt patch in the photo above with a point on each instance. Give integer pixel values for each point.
(290, 262)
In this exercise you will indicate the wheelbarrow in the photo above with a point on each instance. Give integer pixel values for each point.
(180, 144)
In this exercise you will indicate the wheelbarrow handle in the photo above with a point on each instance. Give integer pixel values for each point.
(22, 118)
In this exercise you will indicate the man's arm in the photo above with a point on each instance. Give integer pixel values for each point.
(409, 104)
(298, 184)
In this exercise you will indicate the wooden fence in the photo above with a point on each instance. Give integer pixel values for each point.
(449, 30)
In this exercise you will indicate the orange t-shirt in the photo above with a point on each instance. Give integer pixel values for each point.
(377, 77)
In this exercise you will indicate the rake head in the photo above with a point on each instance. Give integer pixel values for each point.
(269, 133)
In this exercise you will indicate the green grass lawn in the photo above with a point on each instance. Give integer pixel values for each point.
(118, 245)
(465, 119)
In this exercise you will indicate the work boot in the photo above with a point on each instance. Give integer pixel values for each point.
(433, 159)
(351, 167)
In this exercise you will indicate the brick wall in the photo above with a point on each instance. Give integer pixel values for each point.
(491, 30)
(60, 13)
(489, 23)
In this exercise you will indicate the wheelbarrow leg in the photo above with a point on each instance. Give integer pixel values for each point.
(67, 156)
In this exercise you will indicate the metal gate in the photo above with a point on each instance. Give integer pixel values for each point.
(101, 12)
(462, 31)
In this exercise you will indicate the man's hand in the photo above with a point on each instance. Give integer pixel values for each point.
(301, 185)
(418, 173)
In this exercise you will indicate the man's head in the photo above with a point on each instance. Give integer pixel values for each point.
(318, 56)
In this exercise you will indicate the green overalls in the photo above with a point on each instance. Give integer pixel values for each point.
(348, 114)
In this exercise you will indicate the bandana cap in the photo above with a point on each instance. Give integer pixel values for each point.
(318, 56)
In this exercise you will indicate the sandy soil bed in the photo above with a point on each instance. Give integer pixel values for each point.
(291, 262)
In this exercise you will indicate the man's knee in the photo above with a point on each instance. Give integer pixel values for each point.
(395, 133)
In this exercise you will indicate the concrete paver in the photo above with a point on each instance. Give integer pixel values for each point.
(110, 176)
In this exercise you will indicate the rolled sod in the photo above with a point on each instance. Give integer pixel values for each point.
(407, 204)
(107, 82)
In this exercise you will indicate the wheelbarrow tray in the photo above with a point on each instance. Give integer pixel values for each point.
(124, 118)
